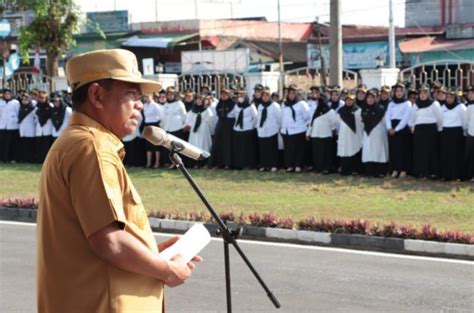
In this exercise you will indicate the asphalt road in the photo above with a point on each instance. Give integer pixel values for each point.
(305, 279)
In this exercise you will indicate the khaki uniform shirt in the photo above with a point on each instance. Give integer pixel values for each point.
(85, 187)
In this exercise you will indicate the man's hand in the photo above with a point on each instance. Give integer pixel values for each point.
(179, 270)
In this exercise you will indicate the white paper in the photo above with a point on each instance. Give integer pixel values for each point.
(190, 244)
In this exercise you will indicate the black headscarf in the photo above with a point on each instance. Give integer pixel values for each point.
(453, 105)
(371, 116)
(334, 104)
(44, 112)
(57, 116)
(25, 109)
(421, 104)
(321, 109)
(240, 119)
(198, 109)
(290, 103)
(347, 115)
(224, 107)
(265, 106)
(384, 103)
(188, 105)
(399, 100)
(469, 102)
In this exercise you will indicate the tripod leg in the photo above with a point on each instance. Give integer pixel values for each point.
(227, 277)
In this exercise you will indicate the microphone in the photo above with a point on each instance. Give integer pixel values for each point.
(159, 137)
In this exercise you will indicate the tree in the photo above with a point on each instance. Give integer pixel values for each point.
(52, 29)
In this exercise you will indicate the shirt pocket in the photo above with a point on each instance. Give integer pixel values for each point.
(137, 213)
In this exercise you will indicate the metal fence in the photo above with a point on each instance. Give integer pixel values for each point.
(29, 81)
(215, 82)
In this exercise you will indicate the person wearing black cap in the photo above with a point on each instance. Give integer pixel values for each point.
(174, 117)
(60, 115)
(399, 143)
(313, 98)
(27, 120)
(275, 97)
(349, 143)
(320, 133)
(295, 119)
(10, 126)
(268, 126)
(375, 141)
(221, 154)
(412, 95)
(441, 95)
(245, 134)
(44, 126)
(469, 128)
(200, 121)
(427, 122)
(257, 95)
(384, 99)
(452, 141)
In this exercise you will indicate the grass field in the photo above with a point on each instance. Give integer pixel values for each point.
(445, 205)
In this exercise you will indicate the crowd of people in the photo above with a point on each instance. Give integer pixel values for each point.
(396, 131)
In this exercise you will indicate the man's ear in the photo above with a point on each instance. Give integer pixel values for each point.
(95, 95)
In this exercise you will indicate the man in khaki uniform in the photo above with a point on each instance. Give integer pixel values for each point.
(95, 248)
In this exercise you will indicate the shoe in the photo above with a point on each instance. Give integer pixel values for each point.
(261, 169)
(156, 166)
(394, 174)
(289, 170)
(274, 169)
(297, 169)
(325, 172)
(403, 174)
(172, 167)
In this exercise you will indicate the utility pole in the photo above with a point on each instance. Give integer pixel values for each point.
(321, 56)
(335, 43)
(391, 36)
(280, 47)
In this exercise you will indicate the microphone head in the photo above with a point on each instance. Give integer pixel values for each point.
(155, 135)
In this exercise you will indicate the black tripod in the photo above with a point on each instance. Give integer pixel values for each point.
(228, 232)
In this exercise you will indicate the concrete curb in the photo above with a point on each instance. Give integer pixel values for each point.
(352, 241)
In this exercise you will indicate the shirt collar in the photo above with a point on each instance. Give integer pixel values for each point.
(81, 119)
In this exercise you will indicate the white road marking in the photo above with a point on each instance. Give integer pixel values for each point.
(304, 247)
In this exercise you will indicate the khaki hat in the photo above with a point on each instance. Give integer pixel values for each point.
(117, 64)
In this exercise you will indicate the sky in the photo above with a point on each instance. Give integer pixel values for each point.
(362, 12)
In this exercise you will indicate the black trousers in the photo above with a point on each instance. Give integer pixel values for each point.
(10, 145)
(134, 152)
(452, 147)
(426, 150)
(294, 149)
(469, 157)
(221, 151)
(399, 147)
(323, 153)
(43, 144)
(375, 169)
(352, 164)
(268, 151)
(245, 149)
(27, 149)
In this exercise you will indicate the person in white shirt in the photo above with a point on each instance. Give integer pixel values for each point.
(375, 140)
(44, 126)
(200, 121)
(452, 138)
(399, 141)
(384, 99)
(152, 116)
(10, 118)
(268, 126)
(174, 117)
(335, 102)
(469, 128)
(315, 94)
(27, 120)
(245, 134)
(60, 115)
(188, 100)
(427, 122)
(257, 95)
(295, 119)
(320, 133)
(349, 143)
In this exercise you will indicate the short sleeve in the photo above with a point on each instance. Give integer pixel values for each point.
(96, 188)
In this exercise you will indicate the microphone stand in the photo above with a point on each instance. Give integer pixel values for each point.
(229, 232)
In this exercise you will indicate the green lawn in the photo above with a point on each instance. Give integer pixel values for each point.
(445, 205)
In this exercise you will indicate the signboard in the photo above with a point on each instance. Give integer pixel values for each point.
(172, 67)
(108, 21)
(5, 28)
(148, 66)
(355, 55)
(212, 61)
